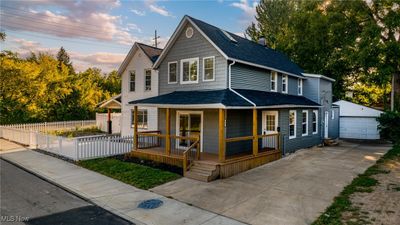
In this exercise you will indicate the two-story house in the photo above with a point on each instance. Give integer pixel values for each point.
(227, 104)
(139, 81)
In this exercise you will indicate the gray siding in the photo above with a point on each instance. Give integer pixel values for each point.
(184, 48)
(293, 85)
(246, 77)
(333, 131)
(311, 89)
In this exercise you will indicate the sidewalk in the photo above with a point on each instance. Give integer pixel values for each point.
(113, 195)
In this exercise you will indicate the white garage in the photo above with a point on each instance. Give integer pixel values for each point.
(357, 121)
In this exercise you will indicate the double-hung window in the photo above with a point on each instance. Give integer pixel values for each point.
(300, 86)
(315, 121)
(172, 72)
(209, 68)
(190, 71)
(147, 77)
(304, 123)
(132, 80)
(292, 124)
(273, 80)
(284, 83)
(142, 118)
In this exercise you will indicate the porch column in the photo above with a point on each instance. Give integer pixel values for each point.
(255, 133)
(221, 135)
(135, 128)
(109, 123)
(167, 132)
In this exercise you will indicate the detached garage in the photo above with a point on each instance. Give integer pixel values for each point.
(357, 121)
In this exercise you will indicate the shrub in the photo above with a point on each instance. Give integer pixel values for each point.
(389, 126)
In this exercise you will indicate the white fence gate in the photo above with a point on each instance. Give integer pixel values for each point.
(101, 122)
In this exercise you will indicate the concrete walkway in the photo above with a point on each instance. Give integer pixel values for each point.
(293, 190)
(115, 196)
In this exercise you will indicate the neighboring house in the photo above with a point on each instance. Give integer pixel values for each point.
(102, 119)
(358, 121)
(139, 81)
(244, 103)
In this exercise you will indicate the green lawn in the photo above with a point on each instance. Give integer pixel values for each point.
(362, 183)
(140, 176)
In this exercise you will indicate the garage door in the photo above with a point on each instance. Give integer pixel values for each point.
(359, 128)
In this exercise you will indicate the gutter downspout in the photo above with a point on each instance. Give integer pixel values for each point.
(230, 87)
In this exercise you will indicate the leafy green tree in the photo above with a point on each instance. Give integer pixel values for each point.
(63, 58)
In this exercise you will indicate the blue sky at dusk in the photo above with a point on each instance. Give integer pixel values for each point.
(100, 32)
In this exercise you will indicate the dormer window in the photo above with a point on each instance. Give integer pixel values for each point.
(273, 81)
(189, 71)
(284, 83)
(300, 86)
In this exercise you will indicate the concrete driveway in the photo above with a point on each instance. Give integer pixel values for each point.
(293, 190)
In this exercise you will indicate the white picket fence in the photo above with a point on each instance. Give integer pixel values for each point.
(49, 126)
(79, 148)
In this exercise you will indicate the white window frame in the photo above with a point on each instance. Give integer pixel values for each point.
(143, 126)
(181, 72)
(300, 86)
(285, 78)
(145, 76)
(333, 114)
(274, 75)
(306, 123)
(316, 122)
(204, 68)
(130, 81)
(295, 124)
(176, 73)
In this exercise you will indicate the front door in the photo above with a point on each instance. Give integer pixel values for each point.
(189, 124)
(326, 124)
(269, 126)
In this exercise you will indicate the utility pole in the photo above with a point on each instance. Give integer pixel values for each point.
(155, 38)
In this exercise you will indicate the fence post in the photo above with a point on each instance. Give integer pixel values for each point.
(76, 149)
(45, 127)
(47, 142)
(60, 145)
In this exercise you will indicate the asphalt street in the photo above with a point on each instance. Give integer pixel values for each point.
(28, 199)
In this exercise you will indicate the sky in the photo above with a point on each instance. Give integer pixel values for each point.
(99, 33)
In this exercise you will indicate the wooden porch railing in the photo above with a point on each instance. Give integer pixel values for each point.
(190, 154)
(268, 142)
(149, 139)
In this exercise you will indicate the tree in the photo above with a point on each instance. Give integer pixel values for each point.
(3, 36)
(63, 58)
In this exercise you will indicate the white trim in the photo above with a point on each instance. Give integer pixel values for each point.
(304, 134)
(300, 86)
(286, 83)
(181, 70)
(130, 81)
(187, 106)
(151, 74)
(295, 123)
(176, 72)
(177, 120)
(326, 124)
(332, 114)
(113, 99)
(319, 76)
(275, 81)
(316, 121)
(204, 68)
(129, 56)
(265, 113)
(189, 29)
(230, 82)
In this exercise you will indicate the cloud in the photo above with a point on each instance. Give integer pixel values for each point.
(248, 8)
(154, 7)
(132, 26)
(73, 19)
(138, 12)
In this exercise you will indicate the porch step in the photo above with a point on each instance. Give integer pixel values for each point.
(203, 172)
(330, 142)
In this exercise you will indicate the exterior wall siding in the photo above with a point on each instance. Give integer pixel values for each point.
(246, 77)
(139, 63)
(311, 89)
(184, 48)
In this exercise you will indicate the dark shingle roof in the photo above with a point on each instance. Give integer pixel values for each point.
(152, 52)
(247, 50)
(227, 98)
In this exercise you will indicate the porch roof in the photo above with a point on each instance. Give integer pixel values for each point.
(225, 99)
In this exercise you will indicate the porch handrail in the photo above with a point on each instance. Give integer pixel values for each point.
(234, 139)
(149, 139)
(188, 158)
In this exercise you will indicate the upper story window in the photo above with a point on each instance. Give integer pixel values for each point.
(172, 72)
(132, 80)
(273, 80)
(300, 86)
(284, 83)
(147, 79)
(189, 71)
(304, 123)
(315, 121)
(209, 68)
(142, 118)
(292, 124)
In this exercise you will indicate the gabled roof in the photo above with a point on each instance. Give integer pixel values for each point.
(226, 99)
(236, 48)
(151, 52)
(112, 103)
(351, 109)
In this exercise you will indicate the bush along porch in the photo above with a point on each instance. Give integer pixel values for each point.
(226, 104)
